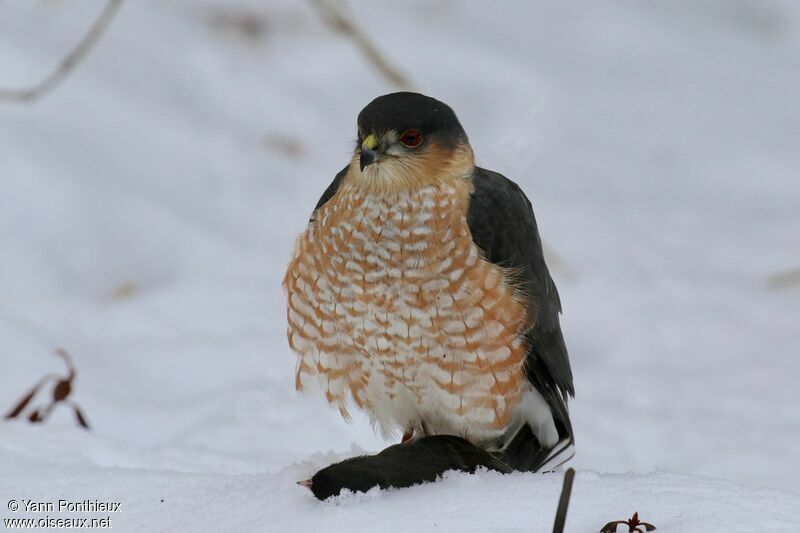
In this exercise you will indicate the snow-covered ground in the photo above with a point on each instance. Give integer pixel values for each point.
(148, 207)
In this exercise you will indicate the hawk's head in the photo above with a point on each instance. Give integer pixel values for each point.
(408, 140)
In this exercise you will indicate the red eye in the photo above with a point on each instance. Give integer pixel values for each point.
(411, 138)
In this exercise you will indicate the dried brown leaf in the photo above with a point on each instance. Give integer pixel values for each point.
(79, 416)
(23, 402)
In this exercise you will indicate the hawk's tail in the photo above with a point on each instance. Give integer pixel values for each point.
(524, 452)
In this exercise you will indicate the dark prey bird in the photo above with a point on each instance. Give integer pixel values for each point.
(419, 293)
(403, 465)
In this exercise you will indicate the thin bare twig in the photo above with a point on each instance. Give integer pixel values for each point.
(70, 61)
(556, 263)
(782, 280)
(61, 395)
(331, 13)
(563, 501)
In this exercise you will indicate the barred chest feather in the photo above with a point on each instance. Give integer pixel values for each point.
(391, 305)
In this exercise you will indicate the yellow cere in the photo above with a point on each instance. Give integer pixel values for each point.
(370, 143)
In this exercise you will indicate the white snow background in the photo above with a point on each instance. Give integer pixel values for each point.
(148, 207)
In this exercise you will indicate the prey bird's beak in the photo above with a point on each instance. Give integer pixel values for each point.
(368, 153)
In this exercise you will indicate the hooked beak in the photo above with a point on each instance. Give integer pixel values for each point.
(369, 153)
(367, 158)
